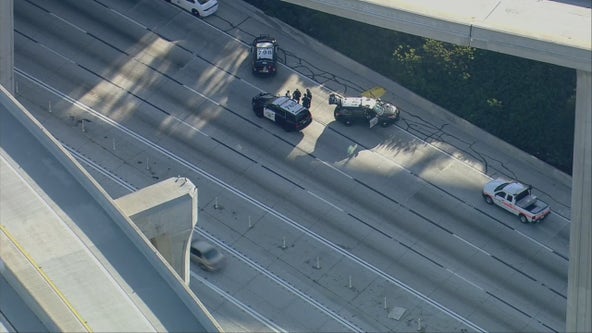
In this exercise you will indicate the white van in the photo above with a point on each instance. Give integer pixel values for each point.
(199, 8)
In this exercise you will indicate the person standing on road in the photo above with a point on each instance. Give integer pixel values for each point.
(296, 95)
(287, 93)
(306, 101)
(309, 94)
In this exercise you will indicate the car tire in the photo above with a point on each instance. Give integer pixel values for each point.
(385, 124)
(195, 12)
(347, 122)
(523, 218)
(488, 199)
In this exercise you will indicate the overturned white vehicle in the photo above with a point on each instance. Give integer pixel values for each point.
(371, 111)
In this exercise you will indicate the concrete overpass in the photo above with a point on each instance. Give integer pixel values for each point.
(553, 31)
(74, 260)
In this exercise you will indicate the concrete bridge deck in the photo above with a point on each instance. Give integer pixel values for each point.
(553, 31)
(74, 260)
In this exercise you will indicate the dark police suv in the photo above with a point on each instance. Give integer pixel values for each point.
(264, 55)
(282, 110)
(371, 111)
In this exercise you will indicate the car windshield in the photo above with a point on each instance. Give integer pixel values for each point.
(379, 108)
(500, 187)
(265, 50)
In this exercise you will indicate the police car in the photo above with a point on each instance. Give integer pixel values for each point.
(264, 55)
(371, 111)
(282, 110)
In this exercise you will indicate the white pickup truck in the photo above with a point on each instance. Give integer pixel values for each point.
(517, 199)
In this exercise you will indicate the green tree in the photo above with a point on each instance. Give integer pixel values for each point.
(526, 103)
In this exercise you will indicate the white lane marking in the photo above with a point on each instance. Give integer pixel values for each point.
(237, 254)
(324, 200)
(100, 169)
(280, 281)
(129, 18)
(69, 23)
(335, 168)
(472, 245)
(467, 281)
(262, 319)
(535, 241)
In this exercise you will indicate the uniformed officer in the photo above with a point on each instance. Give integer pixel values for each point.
(306, 101)
(296, 95)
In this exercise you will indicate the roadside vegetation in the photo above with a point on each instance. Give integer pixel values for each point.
(528, 104)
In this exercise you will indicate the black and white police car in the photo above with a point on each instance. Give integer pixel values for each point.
(282, 110)
(264, 51)
(371, 111)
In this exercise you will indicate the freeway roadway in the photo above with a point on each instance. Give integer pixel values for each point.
(329, 229)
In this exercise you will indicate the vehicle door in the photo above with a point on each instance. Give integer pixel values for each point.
(501, 200)
(370, 116)
(269, 112)
(280, 116)
(510, 205)
(291, 120)
(356, 114)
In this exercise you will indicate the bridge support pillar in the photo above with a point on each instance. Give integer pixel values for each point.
(166, 213)
(579, 291)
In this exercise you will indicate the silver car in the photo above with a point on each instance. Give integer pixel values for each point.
(206, 255)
